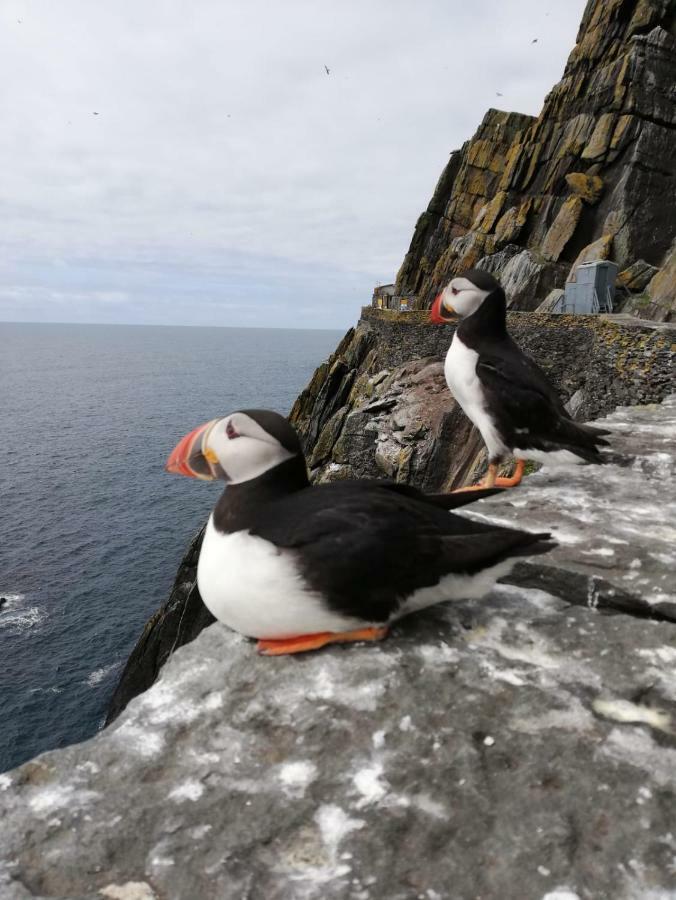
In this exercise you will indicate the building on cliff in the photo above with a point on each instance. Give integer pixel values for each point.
(386, 297)
(592, 177)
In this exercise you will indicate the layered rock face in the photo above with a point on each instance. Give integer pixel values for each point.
(591, 178)
(516, 748)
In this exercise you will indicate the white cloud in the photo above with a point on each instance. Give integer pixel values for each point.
(226, 173)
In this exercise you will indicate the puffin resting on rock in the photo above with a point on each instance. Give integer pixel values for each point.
(505, 394)
(300, 566)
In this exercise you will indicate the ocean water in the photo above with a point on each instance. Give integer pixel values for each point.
(91, 527)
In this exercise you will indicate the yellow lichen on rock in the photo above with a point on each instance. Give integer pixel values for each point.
(562, 228)
(599, 142)
(589, 187)
(510, 224)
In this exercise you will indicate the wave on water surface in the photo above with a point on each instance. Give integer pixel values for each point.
(16, 617)
(98, 675)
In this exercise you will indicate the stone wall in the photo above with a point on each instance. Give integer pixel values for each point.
(380, 406)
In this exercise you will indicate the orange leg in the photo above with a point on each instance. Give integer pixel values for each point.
(492, 479)
(489, 481)
(305, 642)
(515, 478)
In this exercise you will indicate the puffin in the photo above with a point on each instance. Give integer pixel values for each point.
(501, 389)
(298, 566)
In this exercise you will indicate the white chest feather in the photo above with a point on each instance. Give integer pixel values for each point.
(464, 384)
(256, 589)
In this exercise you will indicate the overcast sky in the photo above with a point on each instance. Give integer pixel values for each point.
(191, 162)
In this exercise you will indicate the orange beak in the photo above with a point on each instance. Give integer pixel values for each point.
(437, 312)
(190, 458)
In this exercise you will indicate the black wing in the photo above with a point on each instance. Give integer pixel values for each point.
(366, 547)
(443, 501)
(528, 411)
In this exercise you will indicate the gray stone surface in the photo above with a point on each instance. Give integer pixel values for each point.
(615, 524)
(517, 748)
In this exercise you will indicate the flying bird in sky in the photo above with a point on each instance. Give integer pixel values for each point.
(534, 41)
(328, 71)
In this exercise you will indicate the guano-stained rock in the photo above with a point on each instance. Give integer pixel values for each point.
(514, 748)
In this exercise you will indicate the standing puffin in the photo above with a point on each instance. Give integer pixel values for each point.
(505, 394)
(299, 566)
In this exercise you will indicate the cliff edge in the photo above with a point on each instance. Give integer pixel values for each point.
(519, 747)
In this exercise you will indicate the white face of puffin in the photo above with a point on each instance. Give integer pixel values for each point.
(235, 449)
(462, 297)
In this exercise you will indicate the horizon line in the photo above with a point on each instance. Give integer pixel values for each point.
(175, 325)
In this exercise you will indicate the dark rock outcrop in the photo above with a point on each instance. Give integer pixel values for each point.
(591, 177)
(517, 748)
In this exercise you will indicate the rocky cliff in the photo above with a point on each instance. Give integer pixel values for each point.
(592, 177)
(517, 748)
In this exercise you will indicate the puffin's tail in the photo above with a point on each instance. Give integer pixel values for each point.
(594, 431)
(584, 441)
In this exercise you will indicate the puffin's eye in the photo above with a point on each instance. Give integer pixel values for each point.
(231, 431)
(454, 290)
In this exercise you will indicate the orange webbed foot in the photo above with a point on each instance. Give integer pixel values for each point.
(515, 477)
(304, 642)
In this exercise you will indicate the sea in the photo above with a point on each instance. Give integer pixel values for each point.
(92, 528)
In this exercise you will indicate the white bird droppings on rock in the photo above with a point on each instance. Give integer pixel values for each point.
(296, 776)
(335, 825)
(378, 739)
(368, 783)
(625, 711)
(438, 655)
(189, 790)
(659, 655)
(59, 796)
(405, 724)
(140, 740)
(213, 701)
(489, 741)
(132, 890)
(561, 893)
